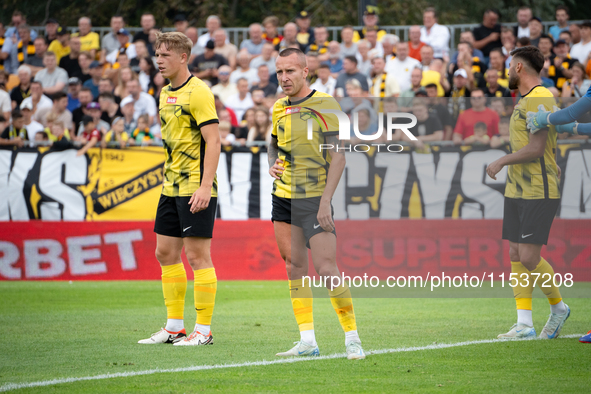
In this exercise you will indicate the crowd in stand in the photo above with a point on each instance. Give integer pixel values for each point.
(61, 87)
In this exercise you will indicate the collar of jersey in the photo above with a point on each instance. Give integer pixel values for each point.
(289, 102)
(182, 86)
(531, 90)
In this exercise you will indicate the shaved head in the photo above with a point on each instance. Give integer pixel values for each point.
(300, 55)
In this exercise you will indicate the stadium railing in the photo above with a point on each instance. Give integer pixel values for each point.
(237, 34)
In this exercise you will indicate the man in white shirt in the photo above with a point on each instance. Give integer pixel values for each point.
(53, 78)
(224, 89)
(125, 47)
(582, 50)
(37, 99)
(241, 101)
(32, 126)
(212, 23)
(325, 82)
(401, 67)
(524, 15)
(143, 103)
(244, 70)
(434, 34)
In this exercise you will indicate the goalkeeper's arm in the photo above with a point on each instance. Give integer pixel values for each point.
(571, 113)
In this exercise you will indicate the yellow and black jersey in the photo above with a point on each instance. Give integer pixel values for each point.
(537, 179)
(306, 164)
(319, 49)
(556, 74)
(2, 60)
(183, 111)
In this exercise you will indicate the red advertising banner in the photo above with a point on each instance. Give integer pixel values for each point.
(246, 250)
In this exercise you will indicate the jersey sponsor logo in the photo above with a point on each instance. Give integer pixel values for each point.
(171, 100)
(292, 110)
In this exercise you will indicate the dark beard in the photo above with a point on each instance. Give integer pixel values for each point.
(513, 82)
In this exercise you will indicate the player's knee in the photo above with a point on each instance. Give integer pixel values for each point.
(530, 260)
(198, 260)
(164, 256)
(514, 254)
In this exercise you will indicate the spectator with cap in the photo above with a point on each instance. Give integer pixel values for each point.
(32, 126)
(143, 103)
(224, 88)
(52, 78)
(487, 36)
(206, 65)
(89, 40)
(84, 97)
(125, 46)
(224, 48)
(244, 70)
(414, 42)
(402, 66)
(15, 54)
(110, 42)
(320, 44)
(524, 15)
(268, 88)
(61, 45)
(265, 58)
(493, 89)
(242, 100)
(335, 61)
(560, 70)
(59, 108)
(305, 35)
(180, 23)
(271, 33)
(325, 83)
(23, 90)
(147, 22)
(70, 62)
(36, 61)
(384, 84)
(37, 98)
(562, 17)
(370, 22)
(96, 72)
(290, 31)
(51, 26)
(350, 72)
(16, 133)
(74, 86)
(478, 113)
(582, 49)
(254, 44)
(348, 47)
(434, 34)
(535, 30)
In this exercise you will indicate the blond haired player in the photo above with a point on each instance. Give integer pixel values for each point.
(187, 206)
(305, 180)
(532, 197)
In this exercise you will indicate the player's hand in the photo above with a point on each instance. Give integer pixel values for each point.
(200, 199)
(570, 128)
(559, 172)
(536, 121)
(325, 216)
(494, 168)
(277, 169)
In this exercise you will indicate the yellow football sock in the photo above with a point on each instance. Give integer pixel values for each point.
(174, 287)
(206, 284)
(340, 298)
(547, 286)
(301, 302)
(522, 293)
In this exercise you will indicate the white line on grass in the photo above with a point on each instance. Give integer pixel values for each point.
(16, 386)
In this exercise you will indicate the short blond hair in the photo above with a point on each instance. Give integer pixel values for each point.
(174, 41)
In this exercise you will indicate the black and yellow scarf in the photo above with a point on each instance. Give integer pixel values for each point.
(382, 81)
(319, 49)
(21, 48)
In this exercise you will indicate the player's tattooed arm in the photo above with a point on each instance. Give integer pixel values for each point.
(275, 164)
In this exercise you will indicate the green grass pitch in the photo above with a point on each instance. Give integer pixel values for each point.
(59, 330)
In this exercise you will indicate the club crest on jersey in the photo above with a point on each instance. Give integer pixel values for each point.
(171, 100)
(178, 110)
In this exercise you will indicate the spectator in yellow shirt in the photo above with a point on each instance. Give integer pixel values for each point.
(61, 45)
(89, 40)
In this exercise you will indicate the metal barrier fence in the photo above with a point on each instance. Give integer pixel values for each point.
(237, 34)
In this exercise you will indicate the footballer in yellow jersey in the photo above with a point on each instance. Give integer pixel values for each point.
(306, 176)
(532, 197)
(187, 207)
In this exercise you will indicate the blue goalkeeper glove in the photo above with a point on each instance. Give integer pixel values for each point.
(570, 128)
(538, 120)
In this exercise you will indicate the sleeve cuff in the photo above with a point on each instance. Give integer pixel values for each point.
(208, 122)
